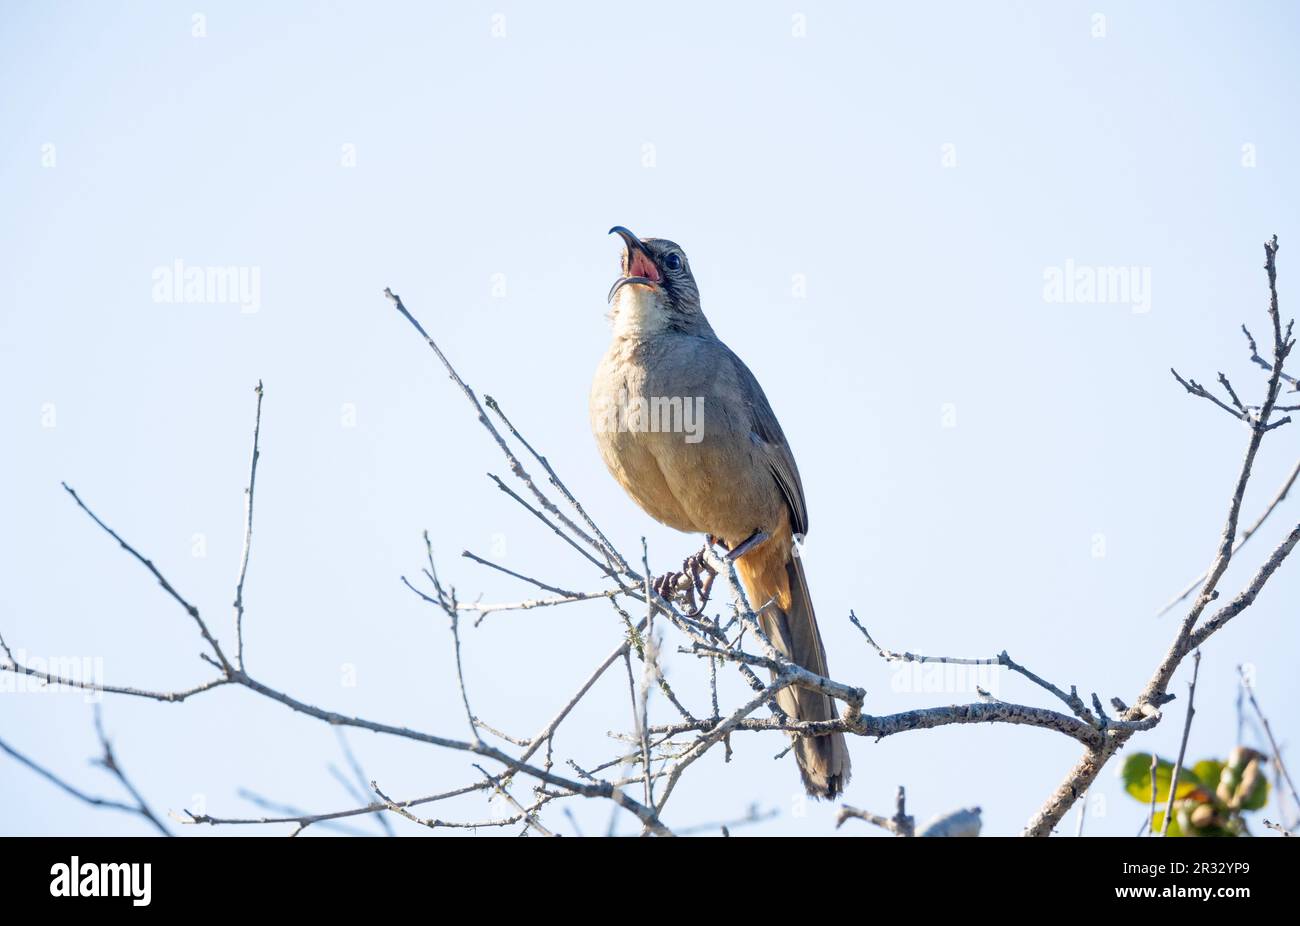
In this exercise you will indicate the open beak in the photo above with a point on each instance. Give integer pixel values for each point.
(638, 265)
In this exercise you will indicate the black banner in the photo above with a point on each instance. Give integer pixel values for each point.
(193, 874)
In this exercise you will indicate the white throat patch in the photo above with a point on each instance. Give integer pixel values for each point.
(639, 310)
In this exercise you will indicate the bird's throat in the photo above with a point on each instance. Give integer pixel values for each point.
(639, 311)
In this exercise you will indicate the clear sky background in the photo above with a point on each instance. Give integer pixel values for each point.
(968, 447)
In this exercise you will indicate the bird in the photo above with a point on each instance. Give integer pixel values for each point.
(720, 465)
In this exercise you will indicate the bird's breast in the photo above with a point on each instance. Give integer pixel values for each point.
(671, 439)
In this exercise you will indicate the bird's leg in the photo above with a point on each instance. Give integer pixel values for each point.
(748, 544)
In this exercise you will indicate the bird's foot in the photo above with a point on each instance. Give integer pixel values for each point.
(696, 576)
(670, 585)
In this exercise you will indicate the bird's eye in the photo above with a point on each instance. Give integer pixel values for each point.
(673, 261)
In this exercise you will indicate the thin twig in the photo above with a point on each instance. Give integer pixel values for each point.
(1151, 817)
(360, 775)
(190, 609)
(1182, 746)
(1188, 637)
(1072, 700)
(1246, 534)
(248, 533)
(528, 815)
(900, 824)
(1268, 732)
(515, 465)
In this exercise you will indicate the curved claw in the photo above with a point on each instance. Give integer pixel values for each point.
(693, 566)
(698, 576)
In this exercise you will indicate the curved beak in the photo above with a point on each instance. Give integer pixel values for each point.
(630, 241)
(638, 265)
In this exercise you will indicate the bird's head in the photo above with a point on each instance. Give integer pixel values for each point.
(655, 290)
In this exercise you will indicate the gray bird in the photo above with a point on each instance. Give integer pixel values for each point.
(685, 428)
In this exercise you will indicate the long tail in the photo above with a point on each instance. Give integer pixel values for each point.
(772, 572)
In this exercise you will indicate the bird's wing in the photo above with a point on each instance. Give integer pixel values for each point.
(769, 436)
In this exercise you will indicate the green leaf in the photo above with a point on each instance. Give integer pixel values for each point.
(1136, 773)
(1158, 819)
(1208, 771)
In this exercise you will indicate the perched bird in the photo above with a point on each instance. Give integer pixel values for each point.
(712, 460)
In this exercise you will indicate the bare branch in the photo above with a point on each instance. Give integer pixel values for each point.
(1189, 638)
(608, 547)
(107, 760)
(1257, 359)
(248, 533)
(1072, 700)
(925, 718)
(1151, 816)
(58, 782)
(528, 815)
(1182, 746)
(515, 466)
(1246, 534)
(752, 816)
(11, 664)
(1276, 750)
(359, 775)
(1197, 389)
(900, 824)
(167, 587)
(674, 747)
(305, 820)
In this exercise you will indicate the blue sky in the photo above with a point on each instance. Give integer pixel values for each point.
(871, 197)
